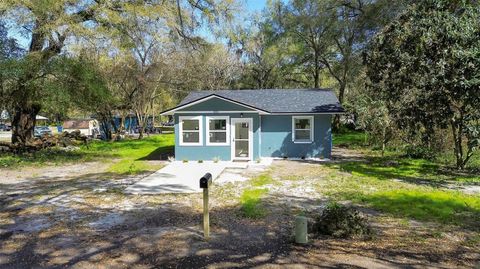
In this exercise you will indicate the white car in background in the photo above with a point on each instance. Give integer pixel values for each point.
(40, 131)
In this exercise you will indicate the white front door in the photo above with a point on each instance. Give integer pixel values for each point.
(242, 138)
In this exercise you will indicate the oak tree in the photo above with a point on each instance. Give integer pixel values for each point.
(425, 67)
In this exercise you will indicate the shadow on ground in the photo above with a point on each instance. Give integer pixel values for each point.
(88, 221)
(161, 153)
(413, 171)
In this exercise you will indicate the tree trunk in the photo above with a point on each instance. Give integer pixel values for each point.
(383, 148)
(114, 129)
(23, 123)
(336, 123)
(140, 125)
(457, 142)
(153, 123)
(317, 79)
(384, 141)
(316, 73)
(107, 131)
(341, 94)
(122, 127)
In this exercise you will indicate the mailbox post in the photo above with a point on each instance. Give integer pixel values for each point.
(205, 183)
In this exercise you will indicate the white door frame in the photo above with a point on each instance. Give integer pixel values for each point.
(250, 138)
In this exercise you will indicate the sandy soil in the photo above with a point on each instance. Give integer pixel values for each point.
(78, 216)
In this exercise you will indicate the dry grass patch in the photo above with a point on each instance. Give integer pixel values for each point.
(298, 171)
(102, 200)
(14, 243)
(6, 218)
(37, 210)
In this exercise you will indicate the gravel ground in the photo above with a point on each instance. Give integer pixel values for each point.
(78, 216)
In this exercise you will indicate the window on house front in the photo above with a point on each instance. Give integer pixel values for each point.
(218, 130)
(190, 130)
(302, 129)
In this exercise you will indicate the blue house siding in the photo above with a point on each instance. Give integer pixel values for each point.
(209, 152)
(276, 138)
(271, 125)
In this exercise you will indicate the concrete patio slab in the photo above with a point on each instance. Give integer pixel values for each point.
(180, 177)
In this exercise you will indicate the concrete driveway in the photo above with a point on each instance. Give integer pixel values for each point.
(180, 177)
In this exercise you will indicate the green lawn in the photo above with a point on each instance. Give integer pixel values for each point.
(127, 156)
(410, 170)
(250, 202)
(251, 197)
(404, 187)
(350, 139)
(411, 199)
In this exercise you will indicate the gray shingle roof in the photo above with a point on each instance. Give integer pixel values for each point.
(278, 100)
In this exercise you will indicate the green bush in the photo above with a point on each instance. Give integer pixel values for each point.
(341, 222)
(419, 152)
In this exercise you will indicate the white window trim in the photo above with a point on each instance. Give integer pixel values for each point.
(311, 118)
(200, 130)
(227, 130)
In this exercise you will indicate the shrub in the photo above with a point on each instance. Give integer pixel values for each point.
(419, 152)
(341, 222)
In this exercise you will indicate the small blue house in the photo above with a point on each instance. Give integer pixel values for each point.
(252, 124)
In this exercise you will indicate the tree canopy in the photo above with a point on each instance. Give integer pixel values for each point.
(54, 27)
(425, 67)
(405, 70)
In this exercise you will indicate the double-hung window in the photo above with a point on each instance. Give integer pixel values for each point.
(218, 133)
(302, 129)
(191, 130)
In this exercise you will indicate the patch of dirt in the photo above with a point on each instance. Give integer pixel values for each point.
(29, 174)
(340, 154)
(470, 189)
(78, 216)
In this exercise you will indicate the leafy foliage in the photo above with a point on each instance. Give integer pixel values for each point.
(419, 152)
(56, 85)
(424, 66)
(341, 221)
(131, 27)
(374, 118)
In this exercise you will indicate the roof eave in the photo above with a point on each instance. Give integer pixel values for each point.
(205, 98)
(308, 112)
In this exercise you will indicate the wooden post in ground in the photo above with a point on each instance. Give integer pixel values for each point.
(206, 216)
(205, 183)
